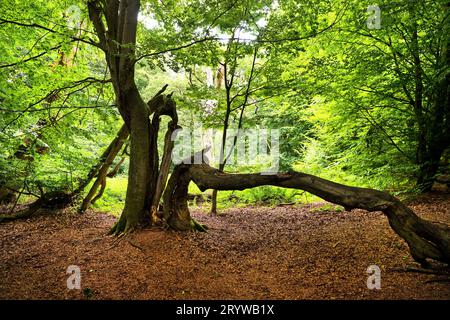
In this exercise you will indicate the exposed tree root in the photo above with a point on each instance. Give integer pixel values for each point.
(438, 280)
(120, 227)
(431, 269)
(136, 246)
(428, 271)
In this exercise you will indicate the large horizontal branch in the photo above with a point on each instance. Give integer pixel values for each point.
(425, 239)
(206, 177)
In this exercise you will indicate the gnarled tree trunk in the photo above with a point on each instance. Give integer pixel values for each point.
(425, 239)
(115, 23)
(147, 177)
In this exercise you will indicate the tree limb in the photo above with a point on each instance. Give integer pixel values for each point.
(425, 239)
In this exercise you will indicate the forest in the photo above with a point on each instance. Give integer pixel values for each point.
(197, 150)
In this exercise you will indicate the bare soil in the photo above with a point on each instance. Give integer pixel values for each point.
(286, 252)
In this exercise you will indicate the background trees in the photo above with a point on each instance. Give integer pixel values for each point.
(359, 105)
(57, 108)
(376, 109)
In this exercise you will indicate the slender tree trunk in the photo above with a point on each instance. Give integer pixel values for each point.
(222, 159)
(228, 85)
(101, 170)
(117, 167)
(100, 193)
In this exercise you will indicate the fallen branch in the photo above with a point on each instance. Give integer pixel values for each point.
(426, 240)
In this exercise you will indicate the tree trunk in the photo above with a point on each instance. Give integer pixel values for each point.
(428, 170)
(146, 178)
(139, 169)
(214, 202)
(228, 85)
(434, 134)
(222, 159)
(425, 239)
(163, 174)
(115, 23)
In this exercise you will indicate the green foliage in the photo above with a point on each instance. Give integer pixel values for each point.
(336, 90)
(56, 113)
(263, 196)
(363, 128)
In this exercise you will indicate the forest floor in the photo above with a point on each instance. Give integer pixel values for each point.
(286, 252)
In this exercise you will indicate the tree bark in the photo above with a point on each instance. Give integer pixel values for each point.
(117, 167)
(163, 174)
(424, 238)
(146, 178)
(139, 169)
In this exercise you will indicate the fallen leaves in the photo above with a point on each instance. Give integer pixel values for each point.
(287, 252)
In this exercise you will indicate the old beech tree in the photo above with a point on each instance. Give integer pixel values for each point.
(115, 24)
